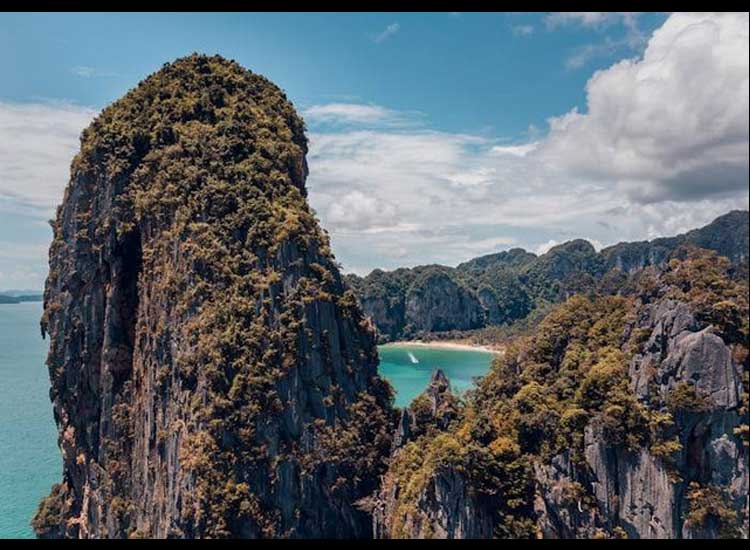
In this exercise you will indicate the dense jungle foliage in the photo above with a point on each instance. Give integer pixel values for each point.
(570, 373)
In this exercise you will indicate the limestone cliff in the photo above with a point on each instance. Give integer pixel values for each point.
(617, 417)
(410, 302)
(211, 374)
(443, 505)
(436, 302)
(510, 284)
(642, 492)
(729, 235)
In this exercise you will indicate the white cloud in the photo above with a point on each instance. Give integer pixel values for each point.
(597, 244)
(357, 210)
(423, 196)
(543, 248)
(553, 20)
(522, 30)
(357, 113)
(389, 31)
(472, 177)
(633, 37)
(486, 246)
(83, 71)
(88, 72)
(37, 143)
(583, 55)
(596, 19)
(516, 150)
(670, 126)
(662, 147)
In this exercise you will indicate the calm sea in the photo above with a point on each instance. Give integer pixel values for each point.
(409, 368)
(30, 461)
(29, 458)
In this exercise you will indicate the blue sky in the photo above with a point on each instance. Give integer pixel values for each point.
(434, 137)
(466, 72)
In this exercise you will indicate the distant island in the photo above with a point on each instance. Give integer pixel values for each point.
(16, 297)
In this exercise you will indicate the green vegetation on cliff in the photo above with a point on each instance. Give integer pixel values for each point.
(569, 384)
(504, 288)
(199, 326)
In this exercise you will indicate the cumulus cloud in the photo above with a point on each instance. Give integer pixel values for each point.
(389, 31)
(420, 196)
(660, 148)
(361, 211)
(670, 126)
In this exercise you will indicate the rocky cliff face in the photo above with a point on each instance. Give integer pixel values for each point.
(407, 302)
(437, 303)
(445, 506)
(728, 235)
(639, 492)
(211, 373)
(619, 417)
(508, 285)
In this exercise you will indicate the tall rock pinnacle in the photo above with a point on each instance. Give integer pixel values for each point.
(212, 375)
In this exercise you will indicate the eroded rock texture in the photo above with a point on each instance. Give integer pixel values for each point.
(643, 494)
(409, 302)
(617, 418)
(445, 506)
(437, 303)
(508, 285)
(640, 493)
(211, 373)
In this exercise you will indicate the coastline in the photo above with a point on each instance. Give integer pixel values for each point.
(447, 344)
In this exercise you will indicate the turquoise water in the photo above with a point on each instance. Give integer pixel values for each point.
(409, 379)
(30, 461)
(29, 458)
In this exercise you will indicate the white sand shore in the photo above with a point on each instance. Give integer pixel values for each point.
(447, 345)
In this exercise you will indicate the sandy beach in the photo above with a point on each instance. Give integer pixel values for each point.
(466, 346)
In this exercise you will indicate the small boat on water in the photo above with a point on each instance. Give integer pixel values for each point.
(413, 359)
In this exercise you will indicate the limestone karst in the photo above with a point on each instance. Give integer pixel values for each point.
(211, 374)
